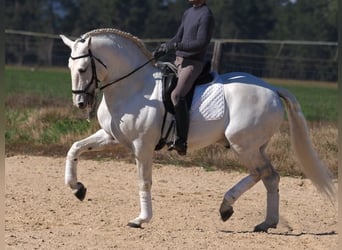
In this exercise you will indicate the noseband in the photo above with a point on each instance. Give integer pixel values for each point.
(94, 75)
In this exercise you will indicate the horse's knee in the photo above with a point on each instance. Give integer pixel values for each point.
(73, 152)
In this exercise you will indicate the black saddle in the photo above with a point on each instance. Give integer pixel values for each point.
(169, 79)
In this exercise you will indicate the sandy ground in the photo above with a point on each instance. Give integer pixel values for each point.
(42, 213)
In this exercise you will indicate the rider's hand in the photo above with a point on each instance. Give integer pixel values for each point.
(163, 49)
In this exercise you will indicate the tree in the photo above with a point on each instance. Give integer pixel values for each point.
(312, 20)
(224, 24)
(254, 19)
(163, 18)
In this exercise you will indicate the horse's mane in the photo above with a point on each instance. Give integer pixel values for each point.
(134, 39)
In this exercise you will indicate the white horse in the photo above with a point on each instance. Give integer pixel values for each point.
(237, 109)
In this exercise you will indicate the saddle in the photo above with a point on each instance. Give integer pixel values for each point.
(169, 81)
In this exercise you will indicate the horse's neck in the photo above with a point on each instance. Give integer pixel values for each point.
(140, 85)
(122, 57)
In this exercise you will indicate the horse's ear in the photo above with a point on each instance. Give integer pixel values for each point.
(68, 42)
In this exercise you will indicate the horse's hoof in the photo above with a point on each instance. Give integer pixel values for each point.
(263, 227)
(134, 225)
(80, 193)
(226, 212)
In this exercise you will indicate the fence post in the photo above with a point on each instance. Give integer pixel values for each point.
(215, 61)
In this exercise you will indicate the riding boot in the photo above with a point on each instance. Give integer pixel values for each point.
(182, 127)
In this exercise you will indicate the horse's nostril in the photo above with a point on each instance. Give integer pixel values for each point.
(81, 105)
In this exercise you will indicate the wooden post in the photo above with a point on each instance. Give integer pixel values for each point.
(215, 61)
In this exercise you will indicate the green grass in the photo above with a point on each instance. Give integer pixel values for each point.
(45, 82)
(318, 103)
(39, 109)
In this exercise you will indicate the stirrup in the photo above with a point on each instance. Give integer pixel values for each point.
(179, 145)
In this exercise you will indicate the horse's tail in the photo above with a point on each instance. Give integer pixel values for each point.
(310, 163)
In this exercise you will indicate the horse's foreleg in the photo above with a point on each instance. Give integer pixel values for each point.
(144, 167)
(97, 141)
(271, 183)
(226, 209)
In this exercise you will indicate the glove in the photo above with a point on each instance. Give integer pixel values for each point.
(163, 49)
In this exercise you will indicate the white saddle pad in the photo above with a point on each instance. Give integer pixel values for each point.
(207, 103)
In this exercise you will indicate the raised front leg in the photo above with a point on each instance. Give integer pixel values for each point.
(98, 141)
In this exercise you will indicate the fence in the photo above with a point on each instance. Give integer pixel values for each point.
(264, 58)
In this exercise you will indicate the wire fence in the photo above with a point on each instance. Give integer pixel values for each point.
(305, 60)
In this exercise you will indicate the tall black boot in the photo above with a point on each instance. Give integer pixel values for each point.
(182, 126)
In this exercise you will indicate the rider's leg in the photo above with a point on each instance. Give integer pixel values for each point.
(182, 126)
(188, 71)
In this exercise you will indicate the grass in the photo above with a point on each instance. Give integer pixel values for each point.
(40, 119)
(39, 111)
(44, 82)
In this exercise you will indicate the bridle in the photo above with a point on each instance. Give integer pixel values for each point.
(94, 74)
(93, 69)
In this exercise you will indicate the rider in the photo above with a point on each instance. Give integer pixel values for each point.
(190, 43)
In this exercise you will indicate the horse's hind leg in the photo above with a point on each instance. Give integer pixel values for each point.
(271, 183)
(249, 159)
(97, 141)
(226, 209)
(259, 168)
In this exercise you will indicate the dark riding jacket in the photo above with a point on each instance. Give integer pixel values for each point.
(194, 33)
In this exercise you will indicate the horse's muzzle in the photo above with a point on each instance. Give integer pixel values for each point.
(84, 100)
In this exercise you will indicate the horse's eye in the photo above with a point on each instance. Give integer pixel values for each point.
(82, 70)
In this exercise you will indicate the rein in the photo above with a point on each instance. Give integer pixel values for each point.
(94, 75)
(127, 75)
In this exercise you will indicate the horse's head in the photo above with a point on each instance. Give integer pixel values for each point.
(86, 71)
(108, 56)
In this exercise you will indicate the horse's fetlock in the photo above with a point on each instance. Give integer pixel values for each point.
(71, 182)
(229, 198)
